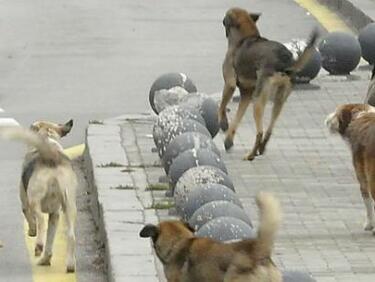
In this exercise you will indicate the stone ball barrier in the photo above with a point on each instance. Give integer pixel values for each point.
(171, 118)
(188, 201)
(341, 53)
(366, 39)
(312, 67)
(192, 158)
(207, 107)
(216, 209)
(186, 141)
(204, 174)
(168, 89)
(226, 228)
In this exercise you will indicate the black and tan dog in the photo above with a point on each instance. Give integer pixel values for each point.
(187, 258)
(48, 185)
(356, 125)
(262, 70)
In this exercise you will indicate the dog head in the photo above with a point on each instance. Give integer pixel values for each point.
(166, 235)
(52, 130)
(339, 120)
(239, 23)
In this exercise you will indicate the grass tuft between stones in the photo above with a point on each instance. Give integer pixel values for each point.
(157, 187)
(124, 187)
(162, 205)
(111, 164)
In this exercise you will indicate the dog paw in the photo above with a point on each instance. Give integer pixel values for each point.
(38, 250)
(70, 268)
(262, 148)
(369, 225)
(31, 232)
(45, 261)
(228, 143)
(249, 157)
(224, 124)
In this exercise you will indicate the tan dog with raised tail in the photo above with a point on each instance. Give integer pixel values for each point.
(48, 185)
(187, 258)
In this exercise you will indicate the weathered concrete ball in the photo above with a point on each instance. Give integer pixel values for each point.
(201, 175)
(216, 209)
(207, 107)
(192, 158)
(187, 141)
(167, 89)
(312, 67)
(226, 228)
(366, 39)
(188, 201)
(340, 52)
(297, 276)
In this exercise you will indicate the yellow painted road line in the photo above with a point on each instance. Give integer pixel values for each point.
(328, 19)
(57, 271)
(74, 152)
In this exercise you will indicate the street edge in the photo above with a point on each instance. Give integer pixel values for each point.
(351, 11)
(99, 207)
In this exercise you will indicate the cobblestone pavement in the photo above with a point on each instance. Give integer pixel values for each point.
(308, 169)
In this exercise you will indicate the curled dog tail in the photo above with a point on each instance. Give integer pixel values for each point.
(48, 151)
(306, 54)
(270, 219)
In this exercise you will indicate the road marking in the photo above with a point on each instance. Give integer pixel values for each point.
(75, 151)
(57, 271)
(328, 19)
(8, 122)
(1, 110)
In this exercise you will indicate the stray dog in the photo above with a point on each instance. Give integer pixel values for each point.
(356, 125)
(262, 69)
(187, 258)
(48, 184)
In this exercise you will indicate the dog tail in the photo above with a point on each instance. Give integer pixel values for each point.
(48, 151)
(306, 54)
(270, 219)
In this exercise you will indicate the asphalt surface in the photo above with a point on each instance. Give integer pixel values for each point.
(91, 59)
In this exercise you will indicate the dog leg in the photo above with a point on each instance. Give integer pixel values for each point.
(40, 232)
(53, 220)
(27, 212)
(359, 166)
(242, 106)
(228, 92)
(258, 113)
(70, 216)
(371, 187)
(279, 100)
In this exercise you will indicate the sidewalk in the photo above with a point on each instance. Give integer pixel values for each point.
(308, 169)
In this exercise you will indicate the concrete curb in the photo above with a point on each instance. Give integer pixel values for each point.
(358, 12)
(119, 210)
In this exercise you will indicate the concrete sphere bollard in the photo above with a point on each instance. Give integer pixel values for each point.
(192, 158)
(172, 116)
(173, 83)
(201, 175)
(340, 52)
(297, 276)
(188, 201)
(312, 67)
(207, 107)
(187, 141)
(366, 39)
(226, 228)
(216, 209)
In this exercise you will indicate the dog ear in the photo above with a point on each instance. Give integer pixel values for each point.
(148, 231)
(66, 128)
(254, 16)
(344, 118)
(188, 226)
(34, 127)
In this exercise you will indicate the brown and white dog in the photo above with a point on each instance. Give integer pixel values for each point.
(262, 70)
(187, 258)
(356, 125)
(48, 185)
